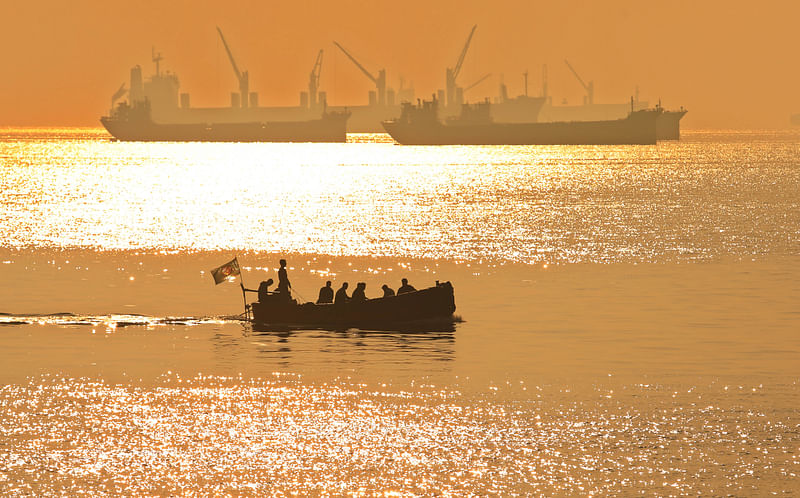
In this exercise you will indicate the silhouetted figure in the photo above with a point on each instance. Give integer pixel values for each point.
(406, 287)
(360, 293)
(283, 279)
(325, 294)
(387, 291)
(341, 295)
(263, 290)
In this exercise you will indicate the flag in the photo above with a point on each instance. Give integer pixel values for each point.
(229, 269)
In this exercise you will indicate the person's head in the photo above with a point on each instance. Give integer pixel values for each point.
(282, 262)
(384, 287)
(328, 283)
(405, 281)
(344, 285)
(268, 282)
(362, 285)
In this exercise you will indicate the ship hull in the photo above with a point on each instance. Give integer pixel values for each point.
(330, 128)
(638, 128)
(668, 126)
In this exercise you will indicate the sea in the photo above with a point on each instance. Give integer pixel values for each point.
(628, 318)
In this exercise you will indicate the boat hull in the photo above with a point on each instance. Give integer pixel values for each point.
(434, 305)
(329, 128)
(638, 128)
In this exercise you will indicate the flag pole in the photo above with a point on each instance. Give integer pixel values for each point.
(244, 294)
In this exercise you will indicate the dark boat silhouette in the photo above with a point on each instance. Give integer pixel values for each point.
(425, 309)
(420, 125)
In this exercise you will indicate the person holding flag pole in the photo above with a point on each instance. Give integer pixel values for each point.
(231, 269)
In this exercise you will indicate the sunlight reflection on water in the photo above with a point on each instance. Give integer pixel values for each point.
(670, 202)
(577, 379)
(230, 435)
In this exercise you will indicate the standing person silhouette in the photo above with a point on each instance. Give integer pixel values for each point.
(283, 279)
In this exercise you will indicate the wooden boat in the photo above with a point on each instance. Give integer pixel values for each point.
(432, 306)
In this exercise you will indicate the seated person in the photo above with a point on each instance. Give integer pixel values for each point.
(387, 291)
(325, 294)
(406, 287)
(341, 295)
(359, 294)
(263, 290)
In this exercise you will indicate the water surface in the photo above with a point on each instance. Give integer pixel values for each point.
(630, 317)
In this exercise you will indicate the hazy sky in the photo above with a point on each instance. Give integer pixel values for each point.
(733, 64)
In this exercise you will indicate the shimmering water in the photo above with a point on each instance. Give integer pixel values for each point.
(630, 317)
(699, 199)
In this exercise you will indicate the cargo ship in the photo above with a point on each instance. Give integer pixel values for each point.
(420, 125)
(156, 111)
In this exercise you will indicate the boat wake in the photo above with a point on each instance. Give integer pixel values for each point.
(112, 320)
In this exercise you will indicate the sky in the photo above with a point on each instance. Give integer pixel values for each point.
(732, 64)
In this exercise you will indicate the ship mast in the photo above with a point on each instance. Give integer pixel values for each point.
(157, 59)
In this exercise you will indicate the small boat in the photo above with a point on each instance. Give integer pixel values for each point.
(419, 309)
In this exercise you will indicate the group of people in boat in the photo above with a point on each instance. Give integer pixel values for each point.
(326, 294)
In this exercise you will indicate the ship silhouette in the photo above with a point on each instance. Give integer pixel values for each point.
(156, 111)
(421, 125)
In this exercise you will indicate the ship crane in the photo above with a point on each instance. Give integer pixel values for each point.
(242, 76)
(589, 99)
(313, 81)
(481, 80)
(379, 80)
(452, 73)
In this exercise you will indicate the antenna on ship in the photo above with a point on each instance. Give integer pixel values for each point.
(525, 74)
(544, 81)
(157, 59)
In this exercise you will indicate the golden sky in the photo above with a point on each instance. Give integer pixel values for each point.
(733, 64)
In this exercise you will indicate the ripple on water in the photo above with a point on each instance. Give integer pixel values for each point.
(212, 435)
